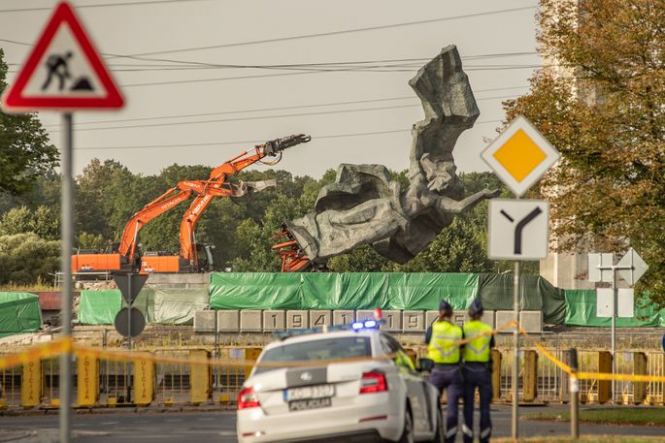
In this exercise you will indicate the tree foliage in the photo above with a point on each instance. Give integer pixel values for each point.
(603, 107)
(27, 258)
(242, 229)
(25, 151)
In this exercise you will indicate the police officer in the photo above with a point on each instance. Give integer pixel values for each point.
(443, 348)
(477, 373)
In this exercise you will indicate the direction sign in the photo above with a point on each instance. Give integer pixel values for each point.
(63, 72)
(123, 323)
(520, 156)
(600, 267)
(605, 302)
(130, 285)
(633, 260)
(518, 229)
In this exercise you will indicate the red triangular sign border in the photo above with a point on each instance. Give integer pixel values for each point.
(13, 99)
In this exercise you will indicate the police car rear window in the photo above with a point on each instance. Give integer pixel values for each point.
(324, 349)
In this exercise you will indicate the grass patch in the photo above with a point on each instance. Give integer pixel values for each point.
(615, 416)
(34, 287)
(585, 439)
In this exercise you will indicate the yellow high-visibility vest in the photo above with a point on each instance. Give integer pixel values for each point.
(478, 348)
(443, 346)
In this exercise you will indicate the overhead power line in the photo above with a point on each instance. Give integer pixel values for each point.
(103, 5)
(341, 32)
(306, 72)
(264, 117)
(247, 142)
(181, 65)
(284, 108)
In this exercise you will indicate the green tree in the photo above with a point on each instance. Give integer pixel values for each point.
(604, 109)
(94, 197)
(27, 258)
(45, 223)
(16, 221)
(25, 151)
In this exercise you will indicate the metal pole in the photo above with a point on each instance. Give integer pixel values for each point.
(574, 396)
(615, 299)
(129, 338)
(67, 230)
(516, 347)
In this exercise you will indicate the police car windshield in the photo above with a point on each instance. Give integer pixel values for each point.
(324, 349)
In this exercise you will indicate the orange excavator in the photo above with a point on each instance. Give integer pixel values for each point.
(125, 255)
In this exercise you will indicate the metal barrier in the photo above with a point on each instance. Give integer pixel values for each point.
(655, 394)
(101, 380)
(10, 387)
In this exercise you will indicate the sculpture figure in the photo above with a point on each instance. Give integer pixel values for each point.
(365, 206)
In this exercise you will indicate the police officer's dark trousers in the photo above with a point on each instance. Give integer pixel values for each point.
(449, 377)
(477, 376)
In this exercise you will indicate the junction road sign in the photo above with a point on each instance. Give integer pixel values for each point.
(636, 264)
(520, 156)
(518, 229)
(130, 285)
(64, 71)
(129, 322)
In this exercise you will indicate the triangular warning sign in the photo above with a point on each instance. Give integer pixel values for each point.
(63, 72)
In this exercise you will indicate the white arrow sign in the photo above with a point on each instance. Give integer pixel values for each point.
(518, 229)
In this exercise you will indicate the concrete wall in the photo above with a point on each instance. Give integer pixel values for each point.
(396, 321)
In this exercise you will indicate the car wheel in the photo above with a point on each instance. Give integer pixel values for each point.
(407, 435)
(438, 436)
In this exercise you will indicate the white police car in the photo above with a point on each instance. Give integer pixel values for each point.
(365, 389)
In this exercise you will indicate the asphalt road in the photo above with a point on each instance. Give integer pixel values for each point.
(219, 427)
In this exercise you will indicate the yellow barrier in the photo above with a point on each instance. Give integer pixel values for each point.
(251, 355)
(195, 372)
(639, 368)
(31, 384)
(144, 379)
(496, 375)
(200, 379)
(87, 368)
(530, 377)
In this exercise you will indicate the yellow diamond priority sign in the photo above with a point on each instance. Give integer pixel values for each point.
(520, 156)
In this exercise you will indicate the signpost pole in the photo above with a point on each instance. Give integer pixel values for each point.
(129, 340)
(574, 396)
(516, 348)
(615, 302)
(67, 229)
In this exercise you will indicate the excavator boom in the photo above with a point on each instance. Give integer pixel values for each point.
(204, 191)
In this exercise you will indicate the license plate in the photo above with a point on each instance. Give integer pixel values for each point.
(309, 392)
(312, 403)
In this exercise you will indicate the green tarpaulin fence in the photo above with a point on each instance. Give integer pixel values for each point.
(582, 312)
(403, 291)
(19, 313)
(162, 306)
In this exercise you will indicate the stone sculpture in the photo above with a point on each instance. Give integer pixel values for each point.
(365, 206)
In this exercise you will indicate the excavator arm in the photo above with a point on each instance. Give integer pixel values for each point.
(218, 179)
(205, 190)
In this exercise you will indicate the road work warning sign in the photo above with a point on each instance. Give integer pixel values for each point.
(64, 71)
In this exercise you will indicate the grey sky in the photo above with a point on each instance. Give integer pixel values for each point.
(159, 30)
